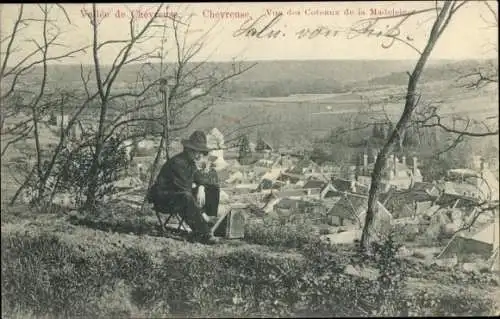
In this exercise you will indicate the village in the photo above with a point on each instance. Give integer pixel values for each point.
(279, 182)
(284, 182)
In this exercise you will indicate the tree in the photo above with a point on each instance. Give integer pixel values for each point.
(21, 97)
(319, 155)
(410, 138)
(375, 131)
(261, 145)
(444, 16)
(244, 153)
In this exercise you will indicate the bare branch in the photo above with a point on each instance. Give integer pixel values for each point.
(114, 72)
(60, 6)
(11, 41)
(437, 123)
(19, 137)
(191, 120)
(479, 79)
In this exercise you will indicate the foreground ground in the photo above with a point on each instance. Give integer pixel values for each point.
(60, 263)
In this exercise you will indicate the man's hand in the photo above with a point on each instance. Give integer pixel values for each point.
(200, 196)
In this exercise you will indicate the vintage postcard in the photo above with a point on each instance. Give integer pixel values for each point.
(263, 159)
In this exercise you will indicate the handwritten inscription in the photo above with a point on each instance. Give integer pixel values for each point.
(270, 25)
(261, 27)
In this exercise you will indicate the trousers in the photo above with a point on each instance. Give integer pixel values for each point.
(184, 203)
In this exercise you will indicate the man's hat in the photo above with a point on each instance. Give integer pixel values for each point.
(197, 141)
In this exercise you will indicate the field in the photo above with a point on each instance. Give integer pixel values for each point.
(296, 120)
(114, 262)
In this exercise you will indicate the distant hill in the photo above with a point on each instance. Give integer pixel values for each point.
(436, 72)
(283, 78)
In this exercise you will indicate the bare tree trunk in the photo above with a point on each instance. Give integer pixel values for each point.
(152, 174)
(94, 169)
(104, 88)
(166, 126)
(21, 70)
(22, 187)
(438, 27)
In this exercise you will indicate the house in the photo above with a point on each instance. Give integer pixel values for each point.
(344, 185)
(215, 141)
(268, 179)
(283, 161)
(396, 173)
(267, 184)
(265, 162)
(317, 176)
(269, 201)
(350, 210)
(239, 189)
(320, 188)
(232, 156)
(483, 244)
(363, 189)
(259, 171)
(331, 168)
(235, 178)
(429, 188)
(329, 202)
(285, 205)
(328, 191)
(301, 205)
(305, 166)
(225, 174)
(313, 187)
(263, 146)
(290, 178)
(479, 183)
(274, 197)
(407, 203)
(293, 193)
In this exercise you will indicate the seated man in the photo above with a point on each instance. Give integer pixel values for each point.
(174, 189)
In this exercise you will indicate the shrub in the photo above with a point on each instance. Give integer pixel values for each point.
(279, 235)
(456, 302)
(73, 166)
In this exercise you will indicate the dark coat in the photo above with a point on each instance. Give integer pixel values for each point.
(177, 175)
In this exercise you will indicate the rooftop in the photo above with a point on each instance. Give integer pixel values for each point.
(315, 184)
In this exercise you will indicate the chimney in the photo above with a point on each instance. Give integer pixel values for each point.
(483, 167)
(415, 164)
(392, 163)
(352, 173)
(365, 161)
(476, 162)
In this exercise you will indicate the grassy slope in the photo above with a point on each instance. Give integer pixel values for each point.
(101, 241)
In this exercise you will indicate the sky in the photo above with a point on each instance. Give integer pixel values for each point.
(469, 35)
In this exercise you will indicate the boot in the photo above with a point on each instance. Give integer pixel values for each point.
(212, 220)
(209, 239)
